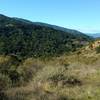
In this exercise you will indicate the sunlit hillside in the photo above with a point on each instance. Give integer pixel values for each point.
(75, 76)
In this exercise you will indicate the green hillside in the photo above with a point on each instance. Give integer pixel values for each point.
(25, 38)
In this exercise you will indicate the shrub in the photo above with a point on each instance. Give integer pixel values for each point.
(4, 84)
(98, 49)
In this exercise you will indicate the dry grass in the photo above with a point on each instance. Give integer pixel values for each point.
(68, 77)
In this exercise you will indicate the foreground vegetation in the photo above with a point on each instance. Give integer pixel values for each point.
(69, 77)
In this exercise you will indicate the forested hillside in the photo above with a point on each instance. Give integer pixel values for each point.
(25, 38)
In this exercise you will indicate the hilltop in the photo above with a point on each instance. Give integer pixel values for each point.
(25, 38)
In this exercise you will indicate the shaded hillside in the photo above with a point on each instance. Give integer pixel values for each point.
(24, 38)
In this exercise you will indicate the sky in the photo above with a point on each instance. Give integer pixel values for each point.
(82, 15)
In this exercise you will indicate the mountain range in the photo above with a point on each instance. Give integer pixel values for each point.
(95, 35)
(25, 38)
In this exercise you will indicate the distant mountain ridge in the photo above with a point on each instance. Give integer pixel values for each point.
(95, 35)
(25, 38)
(51, 26)
(44, 24)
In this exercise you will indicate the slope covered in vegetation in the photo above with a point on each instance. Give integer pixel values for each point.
(24, 38)
(68, 77)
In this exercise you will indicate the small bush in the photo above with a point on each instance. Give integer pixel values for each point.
(66, 65)
(98, 49)
(58, 77)
(72, 81)
(4, 84)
